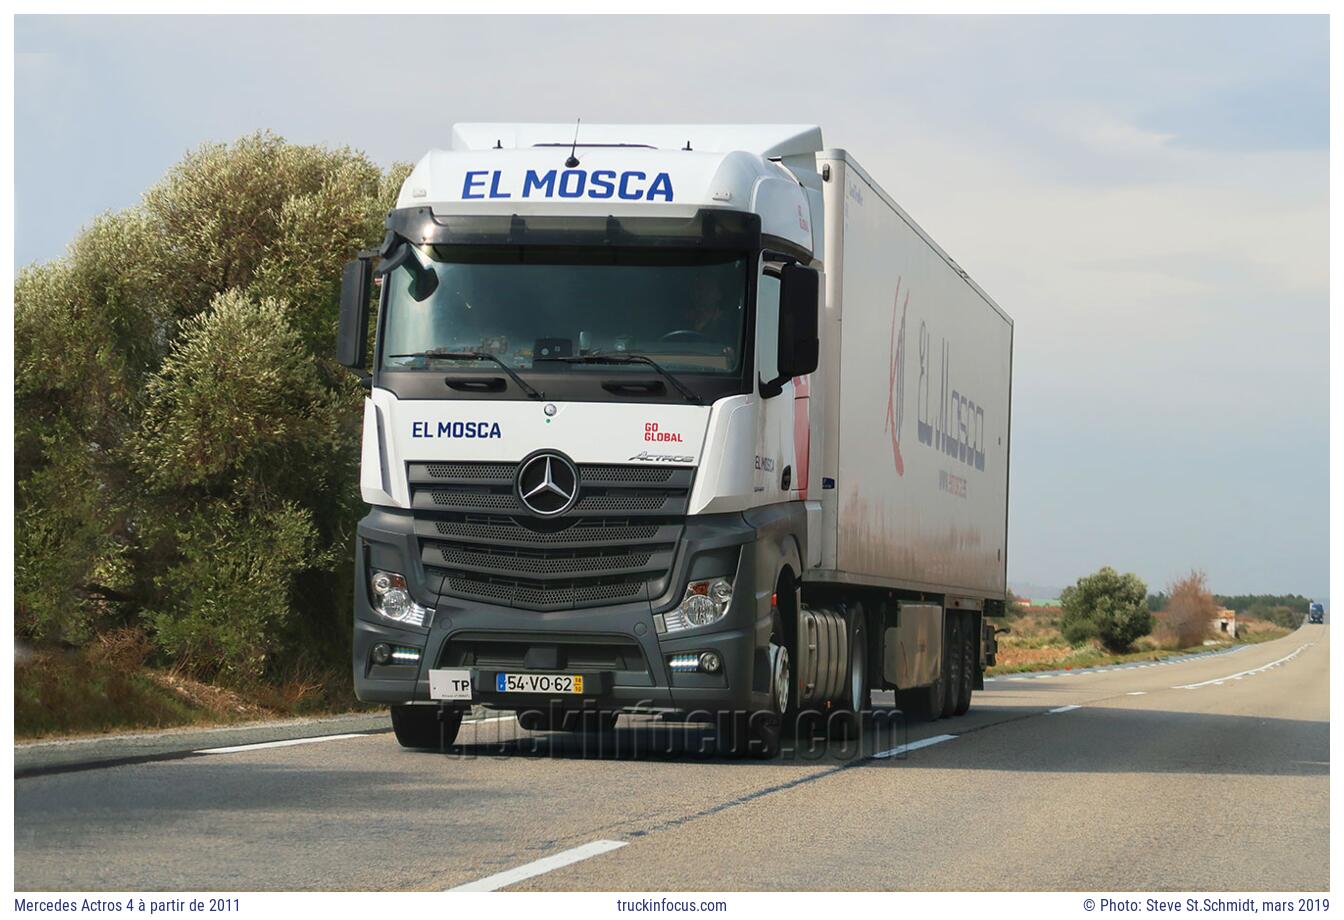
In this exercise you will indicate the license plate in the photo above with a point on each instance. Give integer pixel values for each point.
(450, 684)
(539, 683)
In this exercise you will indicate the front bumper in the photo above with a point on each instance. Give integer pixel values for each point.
(617, 648)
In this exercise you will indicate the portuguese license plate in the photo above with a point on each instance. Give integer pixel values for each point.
(539, 683)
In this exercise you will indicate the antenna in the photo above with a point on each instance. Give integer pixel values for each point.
(573, 160)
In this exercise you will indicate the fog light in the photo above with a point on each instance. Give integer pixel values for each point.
(382, 653)
(710, 662)
(403, 655)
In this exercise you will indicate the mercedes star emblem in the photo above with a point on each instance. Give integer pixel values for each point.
(548, 484)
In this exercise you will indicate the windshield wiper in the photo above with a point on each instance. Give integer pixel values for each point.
(630, 357)
(476, 356)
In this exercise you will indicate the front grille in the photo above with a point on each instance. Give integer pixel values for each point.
(518, 593)
(615, 545)
(542, 563)
(504, 530)
(470, 471)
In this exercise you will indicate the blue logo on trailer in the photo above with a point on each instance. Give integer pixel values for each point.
(600, 184)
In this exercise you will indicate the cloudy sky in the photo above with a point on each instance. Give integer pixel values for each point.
(1146, 196)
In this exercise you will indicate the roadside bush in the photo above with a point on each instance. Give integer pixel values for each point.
(237, 400)
(1278, 614)
(186, 449)
(230, 595)
(1080, 630)
(1110, 606)
(1189, 611)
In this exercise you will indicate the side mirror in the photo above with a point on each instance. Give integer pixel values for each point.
(353, 336)
(799, 346)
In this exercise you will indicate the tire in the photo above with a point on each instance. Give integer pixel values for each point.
(759, 734)
(420, 727)
(846, 720)
(952, 661)
(969, 664)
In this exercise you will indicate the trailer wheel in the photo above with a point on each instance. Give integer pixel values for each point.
(968, 664)
(846, 721)
(421, 727)
(953, 676)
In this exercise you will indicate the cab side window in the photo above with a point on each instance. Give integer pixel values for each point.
(767, 327)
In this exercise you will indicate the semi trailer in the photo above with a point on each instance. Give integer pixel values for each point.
(1315, 612)
(679, 419)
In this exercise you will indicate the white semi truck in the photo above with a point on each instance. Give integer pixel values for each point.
(690, 419)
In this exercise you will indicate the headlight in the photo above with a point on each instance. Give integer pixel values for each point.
(392, 600)
(705, 603)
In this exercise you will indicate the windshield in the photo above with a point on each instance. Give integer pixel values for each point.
(525, 305)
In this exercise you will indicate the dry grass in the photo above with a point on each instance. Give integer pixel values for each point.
(1254, 629)
(107, 686)
(1036, 644)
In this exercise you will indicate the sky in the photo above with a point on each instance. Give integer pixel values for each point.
(1146, 196)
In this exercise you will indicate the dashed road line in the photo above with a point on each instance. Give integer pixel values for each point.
(1063, 709)
(288, 742)
(900, 749)
(541, 866)
(1217, 681)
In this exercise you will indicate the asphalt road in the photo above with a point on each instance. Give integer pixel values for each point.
(1210, 773)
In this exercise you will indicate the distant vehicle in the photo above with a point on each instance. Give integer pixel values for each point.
(1315, 613)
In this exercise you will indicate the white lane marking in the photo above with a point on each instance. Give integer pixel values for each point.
(1063, 709)
(1137, 693)
(541, 866)
(598, 847)
(1240, 674)
(291, 742)
(900, 749)
(275, 744)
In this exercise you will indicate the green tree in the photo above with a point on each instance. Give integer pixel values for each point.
(186, 447)
(1107, 606)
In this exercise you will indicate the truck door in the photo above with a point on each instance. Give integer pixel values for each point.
(776, 474)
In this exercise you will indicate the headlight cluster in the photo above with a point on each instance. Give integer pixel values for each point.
(392, 600)
(705, 603)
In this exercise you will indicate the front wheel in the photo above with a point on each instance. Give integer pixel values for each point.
(426, 727)
(758, 734)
